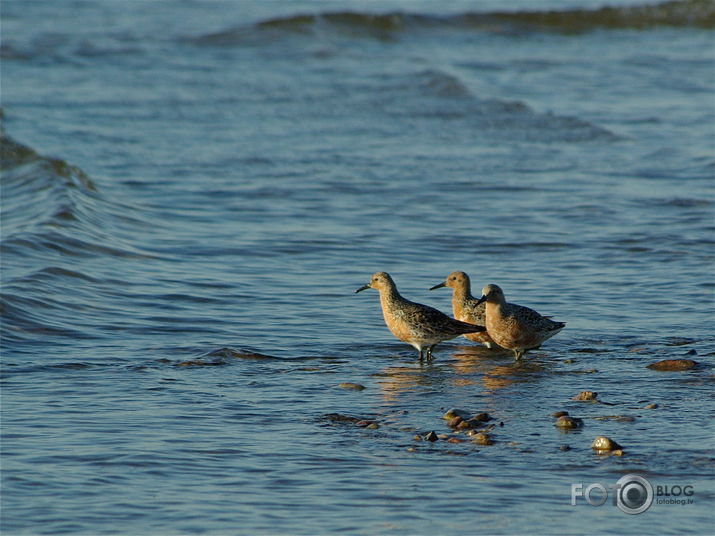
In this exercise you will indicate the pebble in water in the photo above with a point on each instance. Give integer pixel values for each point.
(568, 423)
(671, 365)
(473, 432)
(586, 396)
(455, 421)
(454, 412)
(372, 425)
(352, 386)
(431, 436)
(560, 414)
(605, 444)
(482, 438)
(459, 419)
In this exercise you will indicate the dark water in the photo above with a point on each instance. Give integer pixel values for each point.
(192, 191)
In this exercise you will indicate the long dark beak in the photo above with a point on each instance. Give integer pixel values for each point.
(481, 300)
(362, 288)
(442, 284)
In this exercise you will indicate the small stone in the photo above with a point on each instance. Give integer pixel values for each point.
(568, 422)
(564, 447)
(568, 361)
(482, 438)
(417, 437)
(585, 396)
(443, 437)
(352, 386)
(617, 452)
(432, 436)
(411, 449)
(373, 426)
(455, 440)
(605, 444)
(561, 414)
(501, 423)
(464, 425)
(652, 406)
(363, 423)
(483, 417)
(692, 351)
(669, 365)
(452, 413)
(455, 421)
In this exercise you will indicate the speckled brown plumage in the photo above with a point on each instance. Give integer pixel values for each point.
(466, 307)
(419, 325)
(513, 326)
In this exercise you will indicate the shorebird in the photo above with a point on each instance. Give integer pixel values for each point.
(513, 326)
(466, 307)
(419, 325)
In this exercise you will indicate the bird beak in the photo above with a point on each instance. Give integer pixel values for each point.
(362, 288)
(482, 299)
(442, 284)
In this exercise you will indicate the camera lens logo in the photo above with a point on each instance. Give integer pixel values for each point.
(634, 494)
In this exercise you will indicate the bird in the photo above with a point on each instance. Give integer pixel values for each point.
(465, 306)
(513, 326)
(420, 325)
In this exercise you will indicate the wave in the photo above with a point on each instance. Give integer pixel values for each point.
(46, 197)
(36, 188)
(387, 26)
(54, 219)
(433, 94)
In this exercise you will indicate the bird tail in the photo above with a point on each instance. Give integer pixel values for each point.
(464, 327)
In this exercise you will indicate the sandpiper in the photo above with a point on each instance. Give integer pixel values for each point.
(466, 307)
(419, 325)
(513, 326)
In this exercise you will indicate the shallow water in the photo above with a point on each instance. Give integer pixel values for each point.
(191, 193)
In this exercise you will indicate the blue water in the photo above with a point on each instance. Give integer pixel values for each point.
(193, 191)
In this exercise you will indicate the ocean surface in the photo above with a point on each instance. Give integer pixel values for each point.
(193, 190)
